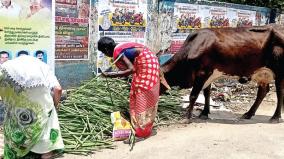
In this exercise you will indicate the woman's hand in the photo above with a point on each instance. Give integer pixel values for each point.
(57, 107)
(124, 73)
(105, 74)
(109, 74)
(57, 92)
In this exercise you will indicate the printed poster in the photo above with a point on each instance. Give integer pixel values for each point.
(214, 17)
(262, 17)
(242, 18)
(122, 20)
(188, 17)
(233, 15)
(72, 29)
(26, 28)
(246, 18)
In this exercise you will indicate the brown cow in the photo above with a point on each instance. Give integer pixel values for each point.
(255, 52)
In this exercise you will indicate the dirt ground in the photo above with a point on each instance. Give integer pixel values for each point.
(223, 136)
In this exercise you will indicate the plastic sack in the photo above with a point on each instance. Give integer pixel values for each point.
(121, 127)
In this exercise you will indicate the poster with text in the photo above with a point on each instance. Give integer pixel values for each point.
(214, 17)
(26, 28)
(241, 18)
(124, 21)
(246, 18)
(188, 17)
(72, 29)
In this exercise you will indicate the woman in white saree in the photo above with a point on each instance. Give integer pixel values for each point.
(31, 123)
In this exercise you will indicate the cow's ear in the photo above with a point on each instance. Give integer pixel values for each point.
(194, 55)
(202, 43)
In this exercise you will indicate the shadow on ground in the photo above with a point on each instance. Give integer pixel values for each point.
(228, 117)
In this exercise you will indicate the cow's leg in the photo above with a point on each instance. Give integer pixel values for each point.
(261, 93)
(206, 110)
(279, 83)
(197, 87)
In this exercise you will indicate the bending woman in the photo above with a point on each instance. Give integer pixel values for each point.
(31, 123)
(138, 60)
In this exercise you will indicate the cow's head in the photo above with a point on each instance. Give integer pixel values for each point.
(180, 69)
(176, 72)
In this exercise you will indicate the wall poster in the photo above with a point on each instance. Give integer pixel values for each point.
(72, 29)
(124, 21)
(26, 28)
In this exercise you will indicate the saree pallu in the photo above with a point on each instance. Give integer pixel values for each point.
(144, 93)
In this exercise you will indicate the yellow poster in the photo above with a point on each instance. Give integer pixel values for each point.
(26, 27)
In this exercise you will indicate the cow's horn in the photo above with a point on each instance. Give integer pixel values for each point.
(164, 81)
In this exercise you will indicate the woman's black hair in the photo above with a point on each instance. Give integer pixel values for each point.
(106, 45)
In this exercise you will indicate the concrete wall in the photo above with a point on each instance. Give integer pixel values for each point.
(72, 74)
